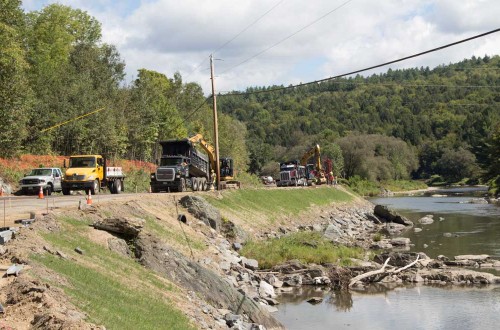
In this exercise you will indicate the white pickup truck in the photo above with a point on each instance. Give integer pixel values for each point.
(47, 178)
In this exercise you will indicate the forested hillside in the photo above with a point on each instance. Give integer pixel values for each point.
(443, 114)
(63, 91)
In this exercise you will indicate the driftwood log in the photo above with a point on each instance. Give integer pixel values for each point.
(382, 270)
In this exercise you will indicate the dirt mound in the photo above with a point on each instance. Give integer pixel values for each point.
(35, 305)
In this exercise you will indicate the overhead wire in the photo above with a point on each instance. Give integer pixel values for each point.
(366, 69)
(236, 36)
(288, 37)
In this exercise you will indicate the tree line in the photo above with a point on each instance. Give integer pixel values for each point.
(409, 123)
(55, 68)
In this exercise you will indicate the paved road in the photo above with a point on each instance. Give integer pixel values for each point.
(19, 207)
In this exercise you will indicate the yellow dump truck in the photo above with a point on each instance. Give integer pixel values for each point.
(90, 173)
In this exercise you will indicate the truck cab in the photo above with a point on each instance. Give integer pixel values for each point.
(292, 174)
(90, 173)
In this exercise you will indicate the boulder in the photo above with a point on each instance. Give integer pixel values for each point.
(119, 246)
(427, 220)
(122, 225)
(332, 233)
(249, 263)
(398, 241)
(266, 290)
(203, 211)
(388, 215)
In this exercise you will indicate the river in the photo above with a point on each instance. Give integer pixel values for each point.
(474, 229)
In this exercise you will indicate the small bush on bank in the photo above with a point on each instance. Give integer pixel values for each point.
(307, 247)
(363, 187)
(403, 185)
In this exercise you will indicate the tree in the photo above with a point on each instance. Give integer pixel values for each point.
(15, 92)
(455, 165)
(153, 116)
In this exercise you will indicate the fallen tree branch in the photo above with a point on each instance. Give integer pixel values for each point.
(382, 271)
(405, 267)
(356, 279)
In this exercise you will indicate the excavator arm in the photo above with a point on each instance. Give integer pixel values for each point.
(316, 152)
(209, 149)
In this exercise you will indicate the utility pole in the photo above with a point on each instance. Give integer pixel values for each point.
(216, 127)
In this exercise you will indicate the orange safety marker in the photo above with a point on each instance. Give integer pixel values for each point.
(89, 198)
(1, 191)
(40, 193)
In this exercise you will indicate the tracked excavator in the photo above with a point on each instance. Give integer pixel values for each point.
(314, 171)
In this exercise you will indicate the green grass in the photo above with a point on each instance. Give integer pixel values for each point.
(112, 289)
(363, 187)
(307, 247)
(177, 236)
(279, 201)
(111, 303)
(403, 185)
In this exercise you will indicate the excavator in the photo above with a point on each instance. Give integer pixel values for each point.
(315, 173)
(226, 180)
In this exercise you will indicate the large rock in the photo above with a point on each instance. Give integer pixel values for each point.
(388, 215)
(332, 233)
(202, 210)
(122, 225)
(427, 220)
(158, 256)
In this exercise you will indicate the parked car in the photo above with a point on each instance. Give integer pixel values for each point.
(47, 178)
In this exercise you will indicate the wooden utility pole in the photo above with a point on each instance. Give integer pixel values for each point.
(216, 127)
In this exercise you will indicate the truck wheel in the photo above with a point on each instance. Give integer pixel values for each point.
(203, 184)
(95, 188)
(66, 191)
(48, 190)
(117, 187)
(182, 185)
(195, 184)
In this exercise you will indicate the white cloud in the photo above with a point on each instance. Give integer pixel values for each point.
(169, 36)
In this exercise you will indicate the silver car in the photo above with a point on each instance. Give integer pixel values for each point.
(47, 178)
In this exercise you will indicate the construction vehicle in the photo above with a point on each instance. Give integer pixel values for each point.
(226, 180)
(314, 171)
(182, 166)
(292, 174)
(91, 173)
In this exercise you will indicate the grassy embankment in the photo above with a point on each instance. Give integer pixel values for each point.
(261, 207)
(113, 290)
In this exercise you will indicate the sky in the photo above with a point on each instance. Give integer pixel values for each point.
(286, 42)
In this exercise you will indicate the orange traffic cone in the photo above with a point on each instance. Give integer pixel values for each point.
(89, 198)
(40, 193)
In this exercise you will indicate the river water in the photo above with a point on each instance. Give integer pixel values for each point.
(474, 229)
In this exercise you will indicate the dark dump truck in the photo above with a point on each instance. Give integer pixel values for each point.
(181, 166)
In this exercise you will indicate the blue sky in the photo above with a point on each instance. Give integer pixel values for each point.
(171, 36)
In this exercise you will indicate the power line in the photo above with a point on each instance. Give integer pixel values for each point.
(288, 37)
(366, 69)
(413, 85)
(249, 26)
(236, 36)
